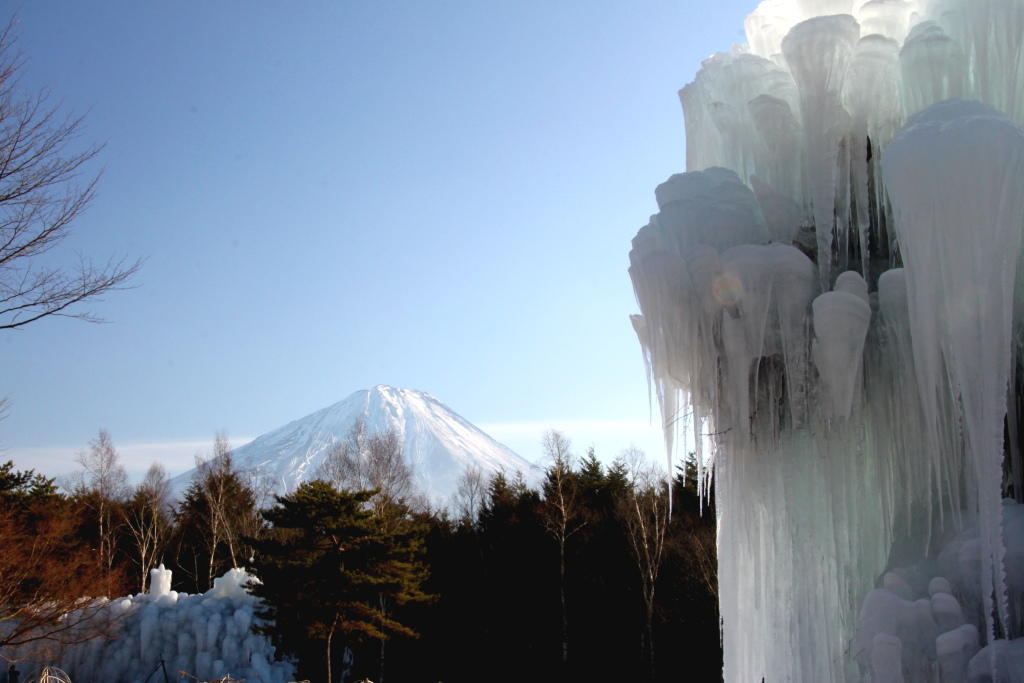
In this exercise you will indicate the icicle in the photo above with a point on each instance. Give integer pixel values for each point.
(818, 51)
(840, 326)
(955, 177)
(933, 65)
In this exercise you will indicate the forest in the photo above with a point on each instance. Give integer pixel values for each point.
(599, 573)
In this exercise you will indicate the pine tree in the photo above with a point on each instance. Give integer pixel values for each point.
(23, 488)
(324, 566)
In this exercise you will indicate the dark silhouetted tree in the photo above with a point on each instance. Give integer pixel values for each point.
(562, 513)
(323, 565)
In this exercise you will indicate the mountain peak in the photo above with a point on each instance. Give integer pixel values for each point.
(438, 444)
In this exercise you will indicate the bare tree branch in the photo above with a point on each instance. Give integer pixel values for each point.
(364, 462)
(43, 190)
(146, 516)
(101, 485)
(469, 495)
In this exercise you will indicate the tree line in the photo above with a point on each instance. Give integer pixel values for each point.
(596, 573)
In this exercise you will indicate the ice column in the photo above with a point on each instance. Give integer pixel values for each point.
(956, 176)
(159, 581)
(818, 52)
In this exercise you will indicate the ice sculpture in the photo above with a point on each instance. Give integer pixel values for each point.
(207, 636)
(832, 295)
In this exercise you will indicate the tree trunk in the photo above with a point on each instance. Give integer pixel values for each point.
(231, 551)
(383, 612)
(328, 653)
(561, 591)
(209, 568)
(103, 538)
(649, 629)
(229, 536)
(214, 544)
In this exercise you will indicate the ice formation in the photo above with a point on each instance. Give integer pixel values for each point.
(207, 636)
(832, 304)
(935, 621)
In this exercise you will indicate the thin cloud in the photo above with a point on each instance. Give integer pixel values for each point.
(57, 461)
(608, 437)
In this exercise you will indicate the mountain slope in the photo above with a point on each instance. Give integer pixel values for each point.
(438, 443)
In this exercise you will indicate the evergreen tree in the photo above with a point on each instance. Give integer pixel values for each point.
(323, 567)
(604, 580)
(518, 608)
(23, 488)
(591, 476)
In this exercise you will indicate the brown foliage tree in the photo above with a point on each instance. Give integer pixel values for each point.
(50, 581)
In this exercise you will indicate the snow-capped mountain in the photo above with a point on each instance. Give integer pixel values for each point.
(439, 444)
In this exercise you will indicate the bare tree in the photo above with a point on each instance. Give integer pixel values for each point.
(699, 546)
(645, 514)
(216, 488)
(469, 494)
(146, 516)
(364, 462)
(42, 192)
(216, 516)
(101, 485)
(337, 467)
(562, 511)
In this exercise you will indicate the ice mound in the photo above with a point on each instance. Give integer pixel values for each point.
(927, 618)
(208, 636)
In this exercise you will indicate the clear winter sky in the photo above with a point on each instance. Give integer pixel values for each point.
(437, 195)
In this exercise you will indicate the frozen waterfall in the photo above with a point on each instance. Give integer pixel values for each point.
(831, 298)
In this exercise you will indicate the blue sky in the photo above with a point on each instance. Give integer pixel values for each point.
(332, 195)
